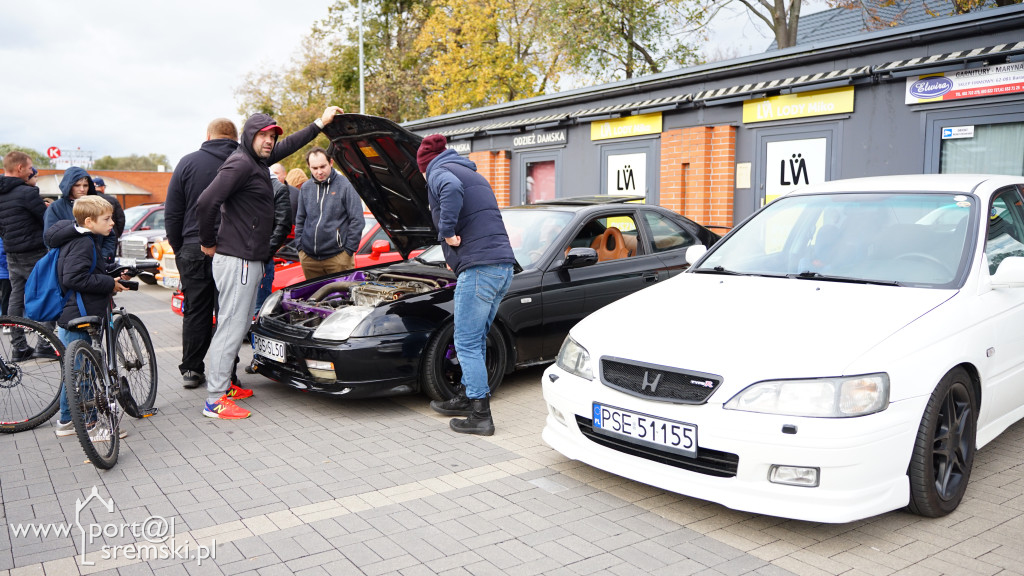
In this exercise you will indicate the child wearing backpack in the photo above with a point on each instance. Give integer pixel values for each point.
(81, 273)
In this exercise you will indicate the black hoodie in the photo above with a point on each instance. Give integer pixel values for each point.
(194, 173)
(76, 253)
(241, 194)
(21, 216)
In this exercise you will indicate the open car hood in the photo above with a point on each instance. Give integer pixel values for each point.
(379, 158)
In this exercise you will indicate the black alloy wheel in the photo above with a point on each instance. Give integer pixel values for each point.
(441, 375)
(943, 456)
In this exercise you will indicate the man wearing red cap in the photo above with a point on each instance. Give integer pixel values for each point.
(477, 249)
(242, 196)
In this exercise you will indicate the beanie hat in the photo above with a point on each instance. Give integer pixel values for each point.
(429, 149)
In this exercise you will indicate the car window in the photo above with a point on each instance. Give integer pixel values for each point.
(380, 234)
(613, 237)
(133, 215)
(155, 221)
(1005, 228)
(532, 233)
(667, 235)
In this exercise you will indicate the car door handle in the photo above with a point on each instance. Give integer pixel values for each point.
(650, 276)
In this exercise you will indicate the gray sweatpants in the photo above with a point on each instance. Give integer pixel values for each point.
(237, 282)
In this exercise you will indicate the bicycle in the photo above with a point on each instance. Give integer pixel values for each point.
(112, 375)
(30, 388)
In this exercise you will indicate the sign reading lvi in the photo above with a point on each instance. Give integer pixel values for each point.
(803, 105)
(625, 127)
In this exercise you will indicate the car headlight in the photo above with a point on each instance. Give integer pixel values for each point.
(574, 359)
(271, 303)
(339, 326)
(818, 397)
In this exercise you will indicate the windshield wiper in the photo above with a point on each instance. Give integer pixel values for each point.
(717, 270)
(432, 263)
(809, 275)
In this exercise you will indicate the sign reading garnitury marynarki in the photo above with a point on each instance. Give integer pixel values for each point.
(971, 83)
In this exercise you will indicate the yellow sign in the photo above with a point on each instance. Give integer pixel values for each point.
(623, 127)
(803, 105)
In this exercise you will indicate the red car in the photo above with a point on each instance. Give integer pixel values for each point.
(374, 248)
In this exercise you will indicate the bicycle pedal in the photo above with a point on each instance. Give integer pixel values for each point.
(150, 412)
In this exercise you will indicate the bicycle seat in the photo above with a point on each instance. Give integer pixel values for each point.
(85, 323)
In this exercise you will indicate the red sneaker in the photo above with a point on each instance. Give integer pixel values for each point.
(225, 409)
(236, 392)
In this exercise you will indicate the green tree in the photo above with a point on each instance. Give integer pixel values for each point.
(620, 39)
(134, 162)
(38, 160)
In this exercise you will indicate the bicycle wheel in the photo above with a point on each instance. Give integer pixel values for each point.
(136, 363)
(29, 389)
(95, 416)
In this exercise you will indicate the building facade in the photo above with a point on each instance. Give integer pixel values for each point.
(715, 142)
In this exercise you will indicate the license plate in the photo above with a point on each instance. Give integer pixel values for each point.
(645, 429)
(268, 348)
(170, 282)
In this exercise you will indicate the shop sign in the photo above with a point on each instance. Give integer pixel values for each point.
(625, 127)
(540, 138)
(794, 163)
(627, 174)
(971, 83)
(952, 132)
(802, 105)
(463, 147)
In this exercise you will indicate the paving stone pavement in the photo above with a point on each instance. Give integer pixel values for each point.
(313, 484)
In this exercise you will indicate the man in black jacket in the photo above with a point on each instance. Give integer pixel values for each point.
(243, 197)
(21, 227)
(193, 174)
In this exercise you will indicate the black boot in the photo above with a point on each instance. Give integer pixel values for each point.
(479, 421)
(457, 405)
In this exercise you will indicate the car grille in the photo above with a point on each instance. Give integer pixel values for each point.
(658, 382)
(134, 248)
(709, 462)
(168, 264)
(279, 324)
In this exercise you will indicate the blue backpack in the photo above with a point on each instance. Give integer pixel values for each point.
(44, 298)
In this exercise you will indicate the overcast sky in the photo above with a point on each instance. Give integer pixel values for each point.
(122, 77)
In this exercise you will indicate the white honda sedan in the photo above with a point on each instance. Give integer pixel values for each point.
(842, 353)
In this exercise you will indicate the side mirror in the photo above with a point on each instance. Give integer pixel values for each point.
(380, 247)
(694, 253)
(580, 257)
(1010, 273)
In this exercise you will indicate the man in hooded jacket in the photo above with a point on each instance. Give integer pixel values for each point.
(242, 196)
(193, 174)
(21, 227)
(61, 209)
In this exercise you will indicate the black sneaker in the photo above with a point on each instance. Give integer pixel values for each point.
(45, 353)
(21, 354)
(192, 379)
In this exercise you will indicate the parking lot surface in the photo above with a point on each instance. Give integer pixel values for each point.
(313, 484)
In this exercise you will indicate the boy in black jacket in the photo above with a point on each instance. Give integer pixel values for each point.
(80, 251)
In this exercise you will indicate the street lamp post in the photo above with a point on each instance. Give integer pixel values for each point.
(362, 95)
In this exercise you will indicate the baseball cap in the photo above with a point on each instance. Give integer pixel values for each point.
(98, 181)
(34, 172)
(273, 127)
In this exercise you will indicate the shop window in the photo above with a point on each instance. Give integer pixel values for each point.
(540, 181)
(994, 149)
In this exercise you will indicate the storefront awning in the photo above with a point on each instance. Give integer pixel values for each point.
(642, 107)
(517, 125)
(952, 61)
(819, 81)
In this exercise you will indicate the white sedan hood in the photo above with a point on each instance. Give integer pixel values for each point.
(746, 329)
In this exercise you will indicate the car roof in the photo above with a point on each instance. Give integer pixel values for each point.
(962, 183)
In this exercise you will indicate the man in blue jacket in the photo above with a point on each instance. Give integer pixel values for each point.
(476, 247)
(329, 220)
(75, 184)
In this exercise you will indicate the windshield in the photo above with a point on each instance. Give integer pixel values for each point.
(530, 232)
(133, 215)
(920, 239)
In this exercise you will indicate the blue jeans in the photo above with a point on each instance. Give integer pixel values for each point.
(67, 337)
(478, 292)
(266, 286)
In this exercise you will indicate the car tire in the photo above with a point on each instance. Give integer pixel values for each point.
(441, 377)
(940, 465)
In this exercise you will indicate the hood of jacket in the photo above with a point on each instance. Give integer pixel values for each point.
(449, 156)
(221, 148)
(62, 232)
(254, 124)
(72, 175)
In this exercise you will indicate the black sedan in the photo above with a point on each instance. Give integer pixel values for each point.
(388, 330)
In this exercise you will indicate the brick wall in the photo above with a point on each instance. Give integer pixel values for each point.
(496, 167)
(698, 171)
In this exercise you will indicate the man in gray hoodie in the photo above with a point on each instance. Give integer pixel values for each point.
(329, 220)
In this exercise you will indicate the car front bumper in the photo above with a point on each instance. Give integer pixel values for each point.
(862, 461)
(362, 367)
